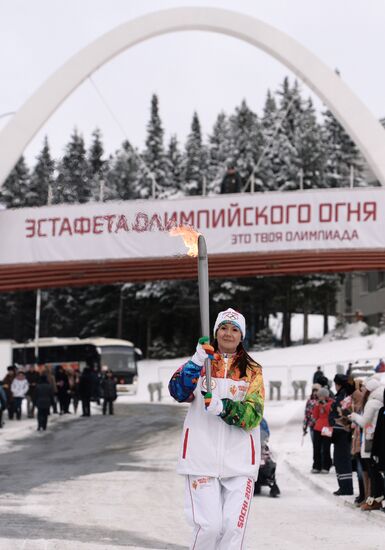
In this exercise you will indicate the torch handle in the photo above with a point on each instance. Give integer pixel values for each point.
(208, 375)
(203, 283)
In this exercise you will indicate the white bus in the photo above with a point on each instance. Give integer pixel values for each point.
(119, 355)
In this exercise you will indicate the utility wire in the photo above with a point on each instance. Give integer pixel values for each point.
(270, 141)
(115, 118)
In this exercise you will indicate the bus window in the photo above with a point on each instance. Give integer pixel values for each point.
(119, 359)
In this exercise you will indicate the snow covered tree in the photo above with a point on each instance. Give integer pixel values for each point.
(154, 166)
(97, 166)
(247, 139)
(278, 167)
(15, 190)
(290, 114)
(194, 165)
(42, 178)
(122, 174)
(72, 183)
(220, 152)
(310, 147)
(174, 160)
(341, 155)
(264, 172)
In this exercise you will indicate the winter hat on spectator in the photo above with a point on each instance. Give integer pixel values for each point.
(233, 317)
(323, 393)
(341, 379)
(323, 381)
(372, 383)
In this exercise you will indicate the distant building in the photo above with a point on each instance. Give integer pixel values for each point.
(363, 294)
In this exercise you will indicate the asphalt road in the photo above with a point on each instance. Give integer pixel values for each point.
(83, 447)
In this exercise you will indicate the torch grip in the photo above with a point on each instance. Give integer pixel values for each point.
(208, 375)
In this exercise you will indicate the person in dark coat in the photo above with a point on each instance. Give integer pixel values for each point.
(109, 392)
(85, 390)
(231, 182)
(43, 400)
(341, 437)
(3, 403)
(7, 383)
(96, 382)
(32, 377)
(318, 376)
(75, 390)
(63, 389)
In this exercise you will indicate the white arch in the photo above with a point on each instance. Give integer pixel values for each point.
(362, 126)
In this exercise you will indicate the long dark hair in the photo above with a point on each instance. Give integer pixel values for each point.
(242, 359)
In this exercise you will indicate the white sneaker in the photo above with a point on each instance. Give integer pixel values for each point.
(314, 471)
(324, 471)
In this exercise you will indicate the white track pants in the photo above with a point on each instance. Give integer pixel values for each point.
(218, 509)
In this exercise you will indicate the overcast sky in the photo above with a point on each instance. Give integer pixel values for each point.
(189, 71)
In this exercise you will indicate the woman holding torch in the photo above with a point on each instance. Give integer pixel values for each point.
(220, 451)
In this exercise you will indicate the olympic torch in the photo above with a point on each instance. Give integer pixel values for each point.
(203, 284)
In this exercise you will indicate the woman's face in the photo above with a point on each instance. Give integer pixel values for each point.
(228, 336)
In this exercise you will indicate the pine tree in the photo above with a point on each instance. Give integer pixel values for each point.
(278, 166)
(42, 178)
(14, 192)
(174, 161)
(153, 170)
(195, 161)
(72, 184)
(290, 113)
(310, 147)
(341, 155)
(220, 152)
(97, 166)
(122, 174)
(247, 139)
(264, 173)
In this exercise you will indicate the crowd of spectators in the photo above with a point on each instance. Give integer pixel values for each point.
(350, 421)
(50, 389)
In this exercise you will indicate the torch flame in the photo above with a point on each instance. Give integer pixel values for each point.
(189, 236)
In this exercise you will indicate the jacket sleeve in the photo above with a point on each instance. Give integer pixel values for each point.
(368, 416)
(184, 381)
(247, 414)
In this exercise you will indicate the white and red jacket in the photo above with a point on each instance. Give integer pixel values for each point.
(229, 444)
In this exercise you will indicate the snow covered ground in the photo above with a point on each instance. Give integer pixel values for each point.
(149, 500)
(315, 325)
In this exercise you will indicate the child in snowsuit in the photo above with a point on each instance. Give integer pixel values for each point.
(220, 451)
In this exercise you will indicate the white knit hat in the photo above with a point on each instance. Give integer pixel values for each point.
(233, 317)
(372, 383)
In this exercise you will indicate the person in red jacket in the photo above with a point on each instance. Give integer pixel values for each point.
(322, 433)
